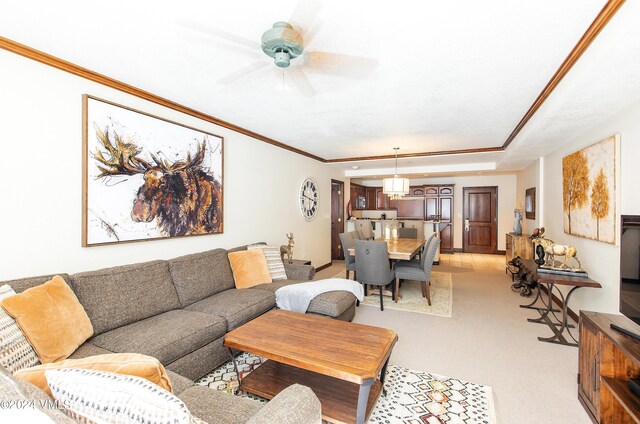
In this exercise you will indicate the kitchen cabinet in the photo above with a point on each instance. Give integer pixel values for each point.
(355, 192)
(411, 208)
(438, 201)
(371, 198)
(416, 191)
(382, 200)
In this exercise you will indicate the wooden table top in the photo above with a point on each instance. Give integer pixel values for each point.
(344, 350)
(558, 279)
(401, 249)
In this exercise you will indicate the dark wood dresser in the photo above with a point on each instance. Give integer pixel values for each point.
(606, 360)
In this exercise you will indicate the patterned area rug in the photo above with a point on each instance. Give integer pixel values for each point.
(412, 300)
(413, 397)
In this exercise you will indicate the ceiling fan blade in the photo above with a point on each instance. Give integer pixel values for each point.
(339, 64)
(218, 33)
(242, 72)
(300, 81)
(304, 17)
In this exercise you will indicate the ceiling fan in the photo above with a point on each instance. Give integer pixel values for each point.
(285, 43)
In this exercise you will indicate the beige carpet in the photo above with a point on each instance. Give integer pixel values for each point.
(412, 300)
(488, 341)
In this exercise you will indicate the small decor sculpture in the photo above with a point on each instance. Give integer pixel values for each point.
(288, 249)
(517, 226)
(551, 250)
(524, 283)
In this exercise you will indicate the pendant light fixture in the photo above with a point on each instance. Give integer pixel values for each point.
(395, 187)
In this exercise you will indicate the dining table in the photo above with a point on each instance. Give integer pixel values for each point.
(400, 249)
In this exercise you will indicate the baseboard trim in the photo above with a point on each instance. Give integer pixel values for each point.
(498, 252)
(325, 266)
(559, 302)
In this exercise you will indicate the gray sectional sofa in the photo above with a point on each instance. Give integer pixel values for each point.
(179, 310)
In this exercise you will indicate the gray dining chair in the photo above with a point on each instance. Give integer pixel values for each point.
(346, 239)
(364, 228)
(419, 261)
(372, 266)
(423, 274)
(411, 233)
(354, 235)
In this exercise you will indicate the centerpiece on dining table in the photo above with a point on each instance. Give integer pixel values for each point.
(390, 230)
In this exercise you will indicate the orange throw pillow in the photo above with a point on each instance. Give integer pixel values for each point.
(51, 318)
(249, 268)
(134, 364)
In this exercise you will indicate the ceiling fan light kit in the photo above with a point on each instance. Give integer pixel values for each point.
(395, 187)
(283, 43)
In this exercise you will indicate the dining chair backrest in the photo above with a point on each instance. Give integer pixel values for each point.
(411, 233)
(430, 256)
(346, 240)
(425, 249)
(372, 262)
(354, 235)
(364, 227)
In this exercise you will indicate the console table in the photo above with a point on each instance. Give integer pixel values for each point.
(547, 313)
(607, 360)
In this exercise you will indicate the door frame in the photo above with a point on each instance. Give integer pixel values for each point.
(465, 211)
(340, 209)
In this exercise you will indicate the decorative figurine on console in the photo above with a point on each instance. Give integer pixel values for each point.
(547, 250)
(525, 283)
(288, 249)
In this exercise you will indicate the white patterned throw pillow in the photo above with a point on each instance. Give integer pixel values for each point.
(90, 396)
(274, 260)
(15, 351)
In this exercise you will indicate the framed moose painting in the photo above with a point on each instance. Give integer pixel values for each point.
(146, 177)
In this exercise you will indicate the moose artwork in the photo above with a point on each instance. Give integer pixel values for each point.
(589, 191)
(146, 177)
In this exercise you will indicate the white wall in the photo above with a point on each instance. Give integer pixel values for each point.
(40, 181)
(527, 178)
(506, 200)
(600, 260)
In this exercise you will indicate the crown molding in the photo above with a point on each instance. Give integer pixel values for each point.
(72, 68)
(603, 18)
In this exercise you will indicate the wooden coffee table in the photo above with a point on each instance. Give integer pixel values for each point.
(342, 362)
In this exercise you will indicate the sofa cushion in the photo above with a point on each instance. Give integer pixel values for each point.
(87, 349)
(236, 306)
(15, 351)
(104, 397)
(330, 303)
(168, 336)
(22, 284)
(120, 363)
(51, 318)
(118, 296)
(178, 382)
(214, 406)
(249, 268)
(201, 275)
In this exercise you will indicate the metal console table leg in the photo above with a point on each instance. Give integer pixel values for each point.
(558, 336)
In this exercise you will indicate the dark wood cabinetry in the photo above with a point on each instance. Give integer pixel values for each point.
(355, 192)
(607, 359)
(438, 202)
(371, 198)
(411, 208)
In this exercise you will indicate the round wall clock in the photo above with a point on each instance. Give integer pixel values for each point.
(308, 201)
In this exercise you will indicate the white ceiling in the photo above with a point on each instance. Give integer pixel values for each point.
(450, 75)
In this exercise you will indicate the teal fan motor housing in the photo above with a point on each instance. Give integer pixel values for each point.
(283, 43)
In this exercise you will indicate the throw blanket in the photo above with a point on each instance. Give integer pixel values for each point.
(297, 297)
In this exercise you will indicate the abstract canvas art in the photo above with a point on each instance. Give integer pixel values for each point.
(589, 191)
(146, 178)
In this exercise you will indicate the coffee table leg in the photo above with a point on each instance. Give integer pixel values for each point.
(383, 373)
(235, 367)
(363, 399)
